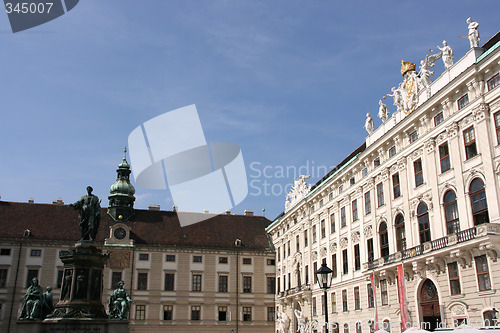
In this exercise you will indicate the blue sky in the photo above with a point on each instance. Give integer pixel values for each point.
(289, 81)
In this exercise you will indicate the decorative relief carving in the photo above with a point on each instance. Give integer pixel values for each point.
(466, 121)
(394, 168)
(314, 255)
(299, 191)
(458, 310)
(481, 112)
(323, 252)
(333, 247)
(368, 231)
(344, 242)
(452, 130)
(441, 137)
(429, 146)
(355, 237)
(402, 164)
(417, 153)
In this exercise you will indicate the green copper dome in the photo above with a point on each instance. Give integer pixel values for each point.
(121, 193)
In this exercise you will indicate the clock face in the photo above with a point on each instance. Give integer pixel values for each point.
(120, 233)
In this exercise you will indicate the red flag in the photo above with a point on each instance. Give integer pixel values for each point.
(402, 298)
(372, 280)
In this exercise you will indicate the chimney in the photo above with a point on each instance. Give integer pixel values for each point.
(228, 212)
(205, 211)
(248, 212)
(31, 200)
(58, 202)
(154, 207)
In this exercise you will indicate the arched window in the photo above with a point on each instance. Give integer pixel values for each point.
(400, 233)
(451, 212)
(346, 328)
(490, 317)
(387, 325)
(359, 327)
(384, 240)
(478, 201)
(423, 223)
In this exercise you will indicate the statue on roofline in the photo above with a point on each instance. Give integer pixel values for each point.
(447, 52)
(473, 33)
(369, 124)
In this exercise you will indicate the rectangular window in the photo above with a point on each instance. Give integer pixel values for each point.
(483, 274)
(143, 256)
(315, 313)
(334, 265)
(383, 292)
(195, 312)
(454, 278)
(321, 203)
(271, 313)
(142, 281)
(297, 243)
(3, 277)
(140, 312)
(380, 194)
(170, 257)
(357, 300)
(271, 262)
(247, 313)
(341, 189)
(168, 311)
(279, 285)
(368, 203)
(438, 119)
(32, 273)
(497, 125)
(197, 258)
(444, 157)
(196, 281)
(396, 188)
(354, 206)
(352, 181)
(419, 175)
(364, 172)
(392, 151)
(314, 233)
(345, 308)
(4, 252)
(169, 281)
(307, 274)
(463, 101)
(271, 283)
(323, 304)
(369, 247)
(413, 136)
(342, 217)
(371, 299)
(247, 284)
(470, 143)
(493, 82)
(222, 260)
(248, 261)
(36, 253)
(288, 250)
(115, 278)
(376, 162)
(332, 223)
(334, 303)
(222, 313)
(305, 238)
(315, 269)
(357, 258)
(345, 262)
(323, 229)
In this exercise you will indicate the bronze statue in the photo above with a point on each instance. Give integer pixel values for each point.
(89, 214)
(119, 303)
(48, 302)
(33, 302)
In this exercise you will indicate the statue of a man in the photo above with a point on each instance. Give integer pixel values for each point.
(119, 303)
(48, 302)
(33, 302)
(473, 33)
(89, 214)
(447, 55)
(369, 124)
(383, 111)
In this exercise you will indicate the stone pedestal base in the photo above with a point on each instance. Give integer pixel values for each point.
(73, 325)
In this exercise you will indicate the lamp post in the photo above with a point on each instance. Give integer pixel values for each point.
(324, 277)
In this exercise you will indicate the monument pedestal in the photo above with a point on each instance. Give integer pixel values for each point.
(73, 325)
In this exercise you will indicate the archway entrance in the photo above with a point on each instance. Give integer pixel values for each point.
(429, 305)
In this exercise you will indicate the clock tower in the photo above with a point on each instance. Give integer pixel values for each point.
(121, 197)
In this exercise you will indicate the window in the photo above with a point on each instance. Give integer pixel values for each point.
(413, 136)
(140, 312)
(490, 318)
(289, 280)
(345, 262)
(279, 286)
(222, 260)
(222, 313)
(314, 233)
(344, 301)
(332, 223)
(341, 189)
(247, 313)
(369, 247)
(470, 143)
(60, 274)
(371, 299)
(380, 195)
(143, 256)
(196, 281)
(384, 240)
(463, 101)
(32, 273)
(444, 157)
(438, 119)
(115, 278)
(315, 313)
(493, 82)
(4, 252)
(197, 258)
(36, 253)
(483, 274)
(376, 162)
(358, 327)
(346, 328)
(352, 181)
(497, 125)
(3, 277)
(323, 229)
(169, 281)
(383, 292)
(278, 253)
(478, 201)
(357, 258)
(392, 151)
(357, 301)
(142, 281)
(248, 261)
(364, 172)
(315, 269)
(423, 223)
(354, 206)
(342, 217)
(334, 265)
(271, 262)
(323, 302)
(195, 312)
(305, 238)
(387, 325)
(451, 212)
(307, 274)
(271, 313)
(168, 311)
(271, 283)
(400, 233)
(297, 243)
(247, 284)
(170, 257)
(396, 189)
(419, 176)
(368, 203)
(454, 278)
(330, 196)
(334, 303)
(321, 203)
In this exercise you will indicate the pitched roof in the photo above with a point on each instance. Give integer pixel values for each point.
(58, 223)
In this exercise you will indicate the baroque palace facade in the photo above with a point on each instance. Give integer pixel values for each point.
(217, 275)
(422, 194)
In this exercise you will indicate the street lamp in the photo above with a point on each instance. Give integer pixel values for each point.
(324, 275)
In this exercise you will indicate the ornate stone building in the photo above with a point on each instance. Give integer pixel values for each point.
(421, 193)
(212, 276)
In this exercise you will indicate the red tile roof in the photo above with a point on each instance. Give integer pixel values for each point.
(59, 224)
